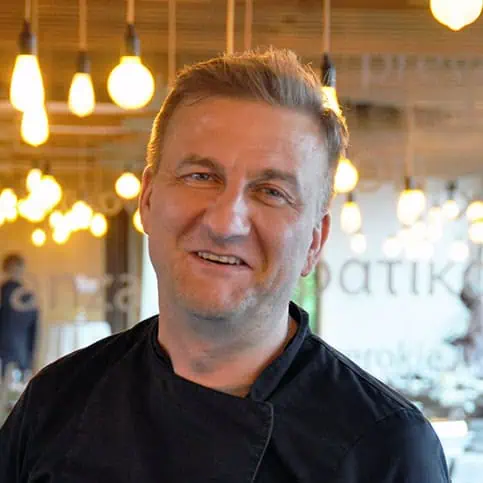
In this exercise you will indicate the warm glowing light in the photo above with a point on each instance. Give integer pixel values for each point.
(38, 237)
(456, 14)
(35, 126)
(81, 214)
(392, 247)
(136, 220)
(346, 176)
(331, 101)
(27, 87)
(475, 211)
(130, 84)
(49, 193)
(60, 235)
(350, 218)
(8, 199)
(128, 186)
(451, 209)
(459, 251)
(410, 206)
(33, 180)
(475, 232)
(358, 243)
(81, 95)
(55, 218)
(98, 225)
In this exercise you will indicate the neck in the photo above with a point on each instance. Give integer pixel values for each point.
(229, 363)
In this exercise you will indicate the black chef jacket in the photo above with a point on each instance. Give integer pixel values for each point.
(116, 412)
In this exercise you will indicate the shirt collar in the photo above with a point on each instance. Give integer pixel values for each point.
(270, 378)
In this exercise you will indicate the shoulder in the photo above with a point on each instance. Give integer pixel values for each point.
(75, 374)
(339, 397)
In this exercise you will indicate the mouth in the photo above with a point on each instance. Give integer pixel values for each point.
(228, 260)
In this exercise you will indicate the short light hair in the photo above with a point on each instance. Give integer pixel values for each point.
(273, 76)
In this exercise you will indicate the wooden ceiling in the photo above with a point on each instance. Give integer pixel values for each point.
(360, 31)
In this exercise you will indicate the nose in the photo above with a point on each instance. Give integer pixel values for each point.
(227, 217)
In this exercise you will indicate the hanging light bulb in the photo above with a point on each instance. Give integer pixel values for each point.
(82, 213)
(33, 179)
(358, 243)
(328, 84)
(411, 203)
(456, 14)
(81, 94)
(60, 235)
(35, 126)
(131, 84)
(350, 216)
(128, 185)
(38, 237)
(475, 232)
(346, 176)
(475, 211)
(55, 218)
(136, 220)
(98, 225)
(392, 247)
(450, 207)
(49, 193)
(459, 251)
(27, 87)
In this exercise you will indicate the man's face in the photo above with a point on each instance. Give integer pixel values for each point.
(231, 213)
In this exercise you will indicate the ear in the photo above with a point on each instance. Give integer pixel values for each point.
(320, 234)
(144, 203)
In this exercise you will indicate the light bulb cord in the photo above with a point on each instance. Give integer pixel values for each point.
(130, 12)
(230, 26)
(83, 25)
(326, 27)
(171, 41)
(247, 38)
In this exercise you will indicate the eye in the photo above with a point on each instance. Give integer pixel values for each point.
(199, 177)
(274, 196)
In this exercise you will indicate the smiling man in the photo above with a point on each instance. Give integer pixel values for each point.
(227, 383)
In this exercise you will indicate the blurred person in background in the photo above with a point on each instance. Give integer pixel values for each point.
(227, 384)
(18, 317)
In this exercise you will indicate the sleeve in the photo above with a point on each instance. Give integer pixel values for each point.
(401, 448)
(14, 436)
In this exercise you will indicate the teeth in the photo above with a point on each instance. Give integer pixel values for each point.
(219, 258)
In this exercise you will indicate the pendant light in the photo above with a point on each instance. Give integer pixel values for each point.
(136, 220)
(328, 74)
(34, 127)
(38, 237)
(131, 84)
(456, 14)
(450, 207)
(27, 87)
(475, 211)
(411, 203)
(346, 176)
(475, 231)
(98, 225)
(128, 185)
(350, 216)
(81, 94)
(412, 200)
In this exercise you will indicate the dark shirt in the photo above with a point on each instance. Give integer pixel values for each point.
(116, 412)
(18, 325)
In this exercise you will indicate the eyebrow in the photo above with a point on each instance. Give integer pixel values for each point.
(278, 174)
(196, 160)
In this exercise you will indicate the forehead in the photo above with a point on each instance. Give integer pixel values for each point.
(232, 129)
